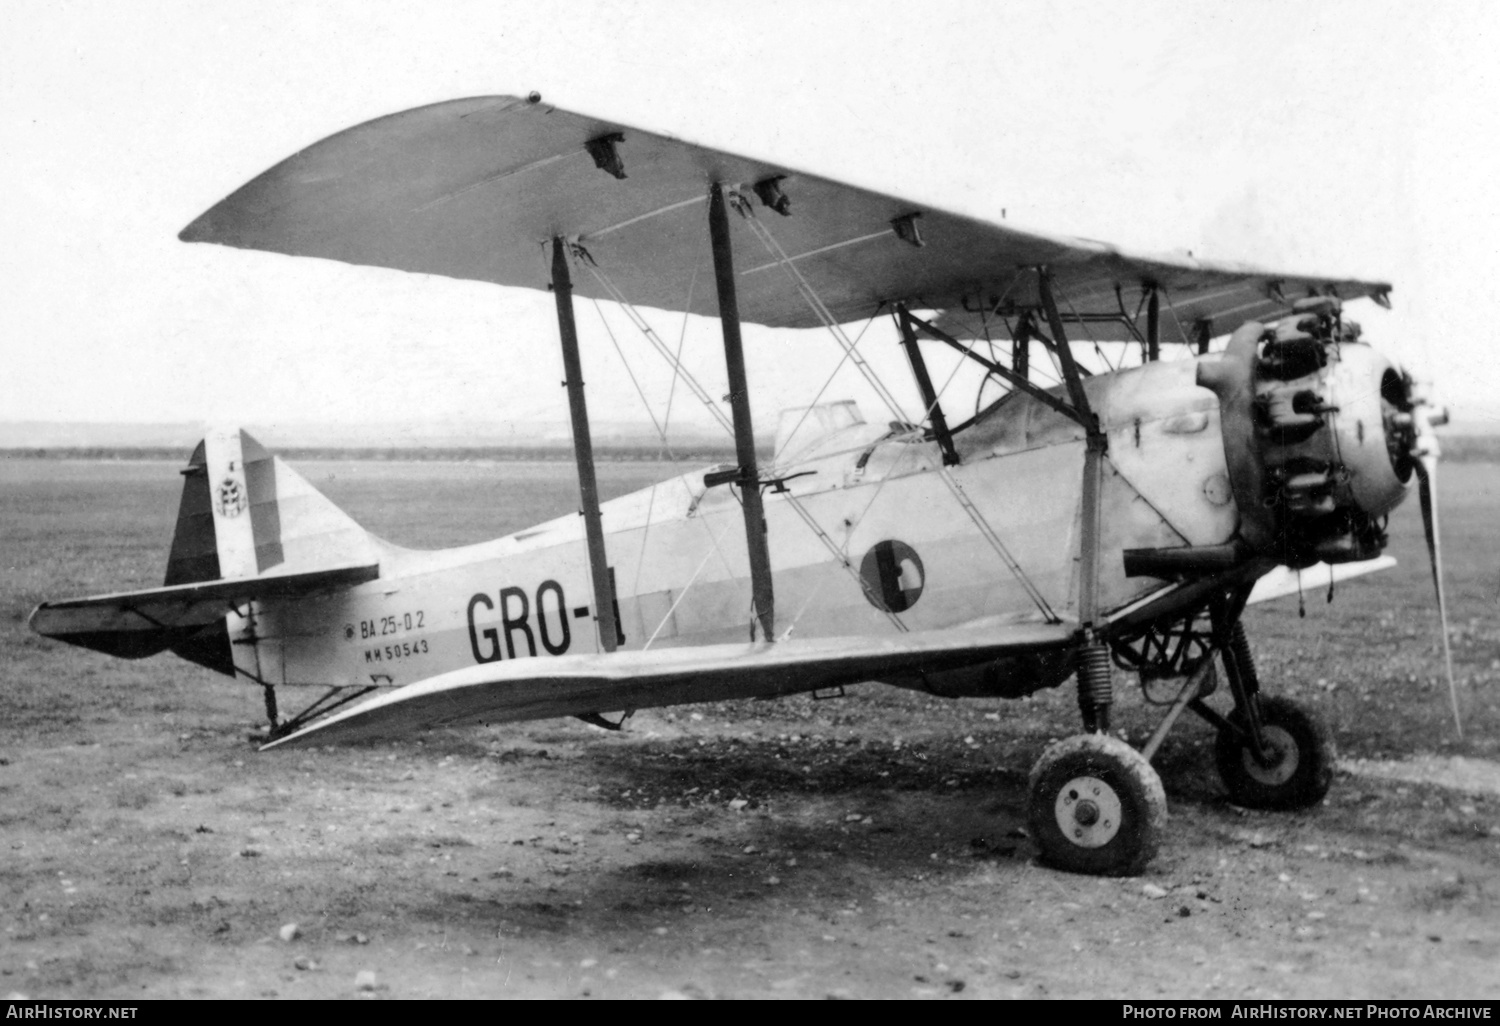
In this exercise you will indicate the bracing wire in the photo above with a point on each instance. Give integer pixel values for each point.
(666, 619)
(681, 341)
(666, 446)
(985, 530)
(1172, 308)
(809, 408)
(645, 328)
(1087, 333)
(666, 419)
(843, 560)
(819, 309)
(1048, 380)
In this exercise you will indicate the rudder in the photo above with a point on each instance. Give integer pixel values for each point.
(245, 512)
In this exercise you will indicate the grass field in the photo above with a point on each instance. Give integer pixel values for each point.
(875, 848)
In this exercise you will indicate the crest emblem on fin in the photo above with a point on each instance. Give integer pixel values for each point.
(230, 498)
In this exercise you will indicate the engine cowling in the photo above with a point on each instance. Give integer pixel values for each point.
(1318, 434)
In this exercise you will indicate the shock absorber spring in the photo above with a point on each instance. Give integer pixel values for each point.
(1239, 649)
(1096, 691)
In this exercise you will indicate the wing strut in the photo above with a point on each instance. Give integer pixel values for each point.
(1153, 325)
(924, 382)
(762, 596)
(1020, 348)
(583, 450)
(1095, 692)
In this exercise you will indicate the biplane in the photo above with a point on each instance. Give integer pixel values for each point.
(1081, 521)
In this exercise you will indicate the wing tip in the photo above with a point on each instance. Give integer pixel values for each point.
(199, 230)
(31, 619)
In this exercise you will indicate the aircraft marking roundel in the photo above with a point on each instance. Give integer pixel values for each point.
(893, 576)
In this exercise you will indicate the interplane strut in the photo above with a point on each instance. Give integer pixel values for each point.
(583, 450)
(756, 544)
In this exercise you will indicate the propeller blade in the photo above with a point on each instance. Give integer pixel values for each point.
(1426, 467)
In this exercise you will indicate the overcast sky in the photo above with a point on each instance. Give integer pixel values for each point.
(1340, 138)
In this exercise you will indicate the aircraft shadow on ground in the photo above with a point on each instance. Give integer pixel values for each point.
(736, 827)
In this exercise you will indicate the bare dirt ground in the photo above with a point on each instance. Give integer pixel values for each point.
(869, 846)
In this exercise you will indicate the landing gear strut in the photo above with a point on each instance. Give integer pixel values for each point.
(335, 697)
(1300, 768)
(1095, 804)
(1272, 753)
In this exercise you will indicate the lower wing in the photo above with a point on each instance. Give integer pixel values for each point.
(570, 685)
(1282, 581)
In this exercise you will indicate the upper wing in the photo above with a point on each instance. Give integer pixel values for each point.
(135, 624)
(473, 188)
(567, 685)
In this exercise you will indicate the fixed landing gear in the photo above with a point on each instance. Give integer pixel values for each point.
(335, 697)
(1096, 806)
(1272, 753)
(1299, 768)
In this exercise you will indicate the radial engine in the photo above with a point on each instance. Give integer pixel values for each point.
(1320, 432)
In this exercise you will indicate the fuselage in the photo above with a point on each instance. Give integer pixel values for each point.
(872, 538)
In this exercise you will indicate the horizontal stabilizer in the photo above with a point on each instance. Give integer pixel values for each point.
(568, 685)
(135, 624)
(1282, 581)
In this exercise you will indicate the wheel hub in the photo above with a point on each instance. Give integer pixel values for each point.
(1088, 812)
(1282, 765)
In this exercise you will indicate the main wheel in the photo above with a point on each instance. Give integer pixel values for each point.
(1096, 806)
(1301, 768)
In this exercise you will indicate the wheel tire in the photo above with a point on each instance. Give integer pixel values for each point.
(1096, 806)
(1304, 771)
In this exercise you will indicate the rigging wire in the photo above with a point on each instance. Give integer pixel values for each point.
(818, 307)
(666, 424)
(1172, 308)
(666, 446)
(843, 560)
(640, 322)
(1048, 381)
(679, 370)
(728, 523)
(661, 434)
(1084, 325)
(809, 408)
(681, 341)
(806, 605)
(841, 553)
(985, 530)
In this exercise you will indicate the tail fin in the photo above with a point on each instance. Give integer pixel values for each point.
(245, 513)
(249, 528)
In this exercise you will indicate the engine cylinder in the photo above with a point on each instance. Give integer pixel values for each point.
(1326, 453)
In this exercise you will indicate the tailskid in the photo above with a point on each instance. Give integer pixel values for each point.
(336, 697)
